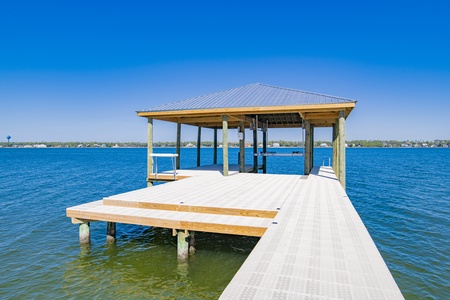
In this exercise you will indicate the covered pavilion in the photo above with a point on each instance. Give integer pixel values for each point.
(256, 107)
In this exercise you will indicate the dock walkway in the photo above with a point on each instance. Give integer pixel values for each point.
(317, 248)
(313, 243)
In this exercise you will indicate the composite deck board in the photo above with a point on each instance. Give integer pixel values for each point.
(314, 245)
(243, 191)
(318, 249)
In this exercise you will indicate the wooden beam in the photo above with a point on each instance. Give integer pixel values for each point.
(165, 177)
(225, 144)
(299, 125)
(249, 110)
(256, 229)
(200, 119)
(231, 124)
(320, 115)
(323, 123)
(217, 118)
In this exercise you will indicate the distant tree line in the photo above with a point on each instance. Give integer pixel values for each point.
(187, 144)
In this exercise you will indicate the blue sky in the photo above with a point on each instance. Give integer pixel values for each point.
(78, 70)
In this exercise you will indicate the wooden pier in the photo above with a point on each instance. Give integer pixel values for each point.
(313, 244)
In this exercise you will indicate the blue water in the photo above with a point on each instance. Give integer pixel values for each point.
(402, 195)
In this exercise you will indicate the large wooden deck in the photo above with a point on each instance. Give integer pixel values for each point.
(313, 243)
(233, 205)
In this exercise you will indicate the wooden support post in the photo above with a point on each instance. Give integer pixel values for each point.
(182, 244)
(308, 149)
(110, 232)
(242, 148)
(255, 148)
(191, 242)
(199, 141)
(335, 148)
(178, 145)
(264, 158)
(149, 149)
(215, 146)
(341, 154)
(85, 234)
(225, 144)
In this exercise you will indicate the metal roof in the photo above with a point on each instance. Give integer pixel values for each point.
(252, 95)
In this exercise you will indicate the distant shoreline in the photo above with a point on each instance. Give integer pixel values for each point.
(248, 144)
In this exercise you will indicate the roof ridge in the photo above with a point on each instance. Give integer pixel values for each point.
(306, 92)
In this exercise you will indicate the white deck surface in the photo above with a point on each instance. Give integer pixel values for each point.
(316, 247)
(319, 249)
(243, 191)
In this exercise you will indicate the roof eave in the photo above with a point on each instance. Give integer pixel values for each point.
(348, 106)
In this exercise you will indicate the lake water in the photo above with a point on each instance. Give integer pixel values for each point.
(402, 195)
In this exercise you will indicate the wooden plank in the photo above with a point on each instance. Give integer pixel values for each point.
(165, 177)
(248, 226)
(217, 118)
(258, 213)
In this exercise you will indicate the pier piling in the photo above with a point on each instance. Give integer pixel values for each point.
(85, 234)
(182, 244)
(110, 232)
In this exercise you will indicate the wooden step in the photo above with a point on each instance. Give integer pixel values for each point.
(194, 221)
